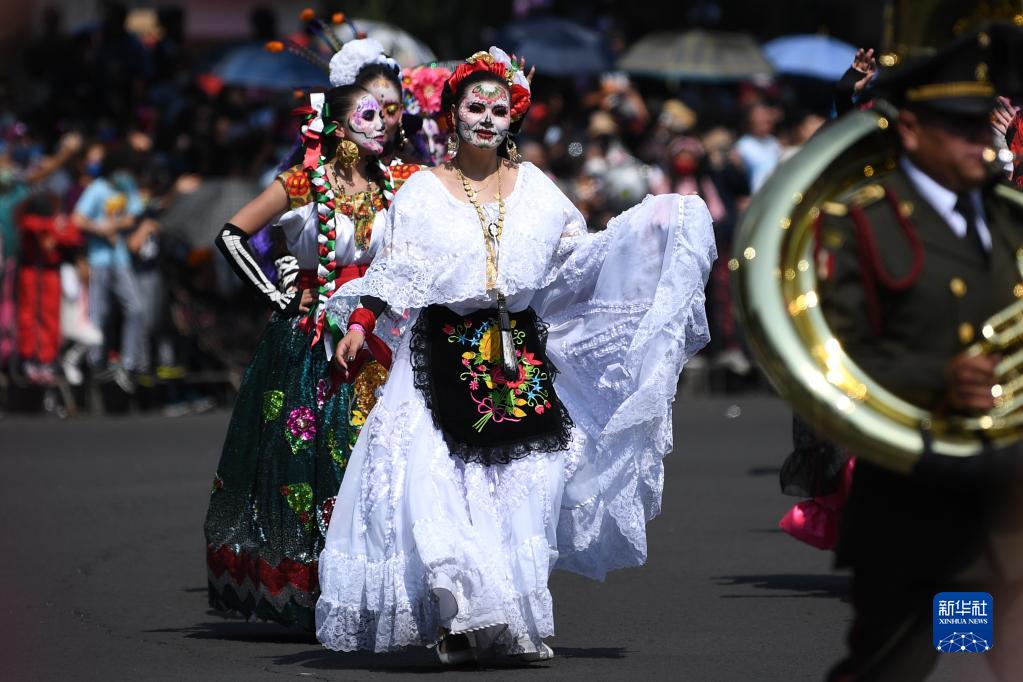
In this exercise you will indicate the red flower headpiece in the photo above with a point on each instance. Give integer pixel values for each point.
(497, 63)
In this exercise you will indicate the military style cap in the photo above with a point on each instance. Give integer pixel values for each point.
(956, 79)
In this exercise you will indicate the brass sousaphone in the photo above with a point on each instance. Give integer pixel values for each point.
(775, 289)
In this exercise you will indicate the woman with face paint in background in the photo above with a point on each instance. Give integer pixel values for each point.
(528, 409)
(384, 83)
(423, 121)
(293, 424)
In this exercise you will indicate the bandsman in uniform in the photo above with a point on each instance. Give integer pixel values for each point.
(911, 267)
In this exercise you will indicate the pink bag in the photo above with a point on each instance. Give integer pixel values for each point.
(816, 521)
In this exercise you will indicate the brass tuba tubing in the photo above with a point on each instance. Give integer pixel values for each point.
(775, 290)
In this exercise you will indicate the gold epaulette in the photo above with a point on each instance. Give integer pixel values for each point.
(861, 198)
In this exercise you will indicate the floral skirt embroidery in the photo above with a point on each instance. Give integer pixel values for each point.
(286, 450)
(485, 416)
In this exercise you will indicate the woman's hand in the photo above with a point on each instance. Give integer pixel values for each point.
(346, 350)
(306, 302)
(521, 62)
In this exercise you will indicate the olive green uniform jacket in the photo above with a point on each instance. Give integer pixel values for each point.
(904, 295)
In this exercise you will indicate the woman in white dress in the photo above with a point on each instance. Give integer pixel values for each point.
(528, 409)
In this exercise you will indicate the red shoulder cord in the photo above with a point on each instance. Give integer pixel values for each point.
(872, 269)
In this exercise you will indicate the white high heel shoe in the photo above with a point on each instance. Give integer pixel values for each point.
(544, 653)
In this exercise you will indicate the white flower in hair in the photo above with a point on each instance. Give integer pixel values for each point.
(517, 77)
(350, 60)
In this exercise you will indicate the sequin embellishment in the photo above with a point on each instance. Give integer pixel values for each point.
(336, 453)
(322, 387)
(273, 401)
(364, 397)
(300, 498)
(301, 428)
(323, 513)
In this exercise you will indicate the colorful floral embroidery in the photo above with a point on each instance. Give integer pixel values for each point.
(300, 498)
(301, 428)
(273, 401)
(498, 397)
(296, 184)
(362, 208)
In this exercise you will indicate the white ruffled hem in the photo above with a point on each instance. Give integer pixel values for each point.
(393, 603)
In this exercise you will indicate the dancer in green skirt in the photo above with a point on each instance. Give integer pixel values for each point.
(293, 427)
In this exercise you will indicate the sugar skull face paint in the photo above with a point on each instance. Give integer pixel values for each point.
(365, 125)
(435, 141)
(389, 97)
(484, 115)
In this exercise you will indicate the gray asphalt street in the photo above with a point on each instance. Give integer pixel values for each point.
(103, 568)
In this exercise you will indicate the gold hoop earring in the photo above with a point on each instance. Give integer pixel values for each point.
(402, 138)
(453, 143)
(347, 153)
(513, 150)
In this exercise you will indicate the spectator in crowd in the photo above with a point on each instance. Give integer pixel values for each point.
(798, 127)
(1005, 120)
(13, 190)
(163, 115)
(106, 211)
(759, 148)
(78, 333)
(16, 182)
(47, 238)
(853, 88)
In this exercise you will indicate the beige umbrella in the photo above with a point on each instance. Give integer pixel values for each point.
(406, 49)
(696, 55)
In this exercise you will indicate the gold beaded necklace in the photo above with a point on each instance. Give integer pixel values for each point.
(492, 230)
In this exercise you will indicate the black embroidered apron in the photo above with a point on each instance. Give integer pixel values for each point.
(485, 416)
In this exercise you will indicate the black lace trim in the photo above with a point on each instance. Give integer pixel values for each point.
(554, 440)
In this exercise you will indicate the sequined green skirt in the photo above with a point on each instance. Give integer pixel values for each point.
(285, 453)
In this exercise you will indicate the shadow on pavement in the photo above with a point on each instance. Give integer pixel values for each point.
(828, 586)
(243, 631)
(763, 471)
(423, 660)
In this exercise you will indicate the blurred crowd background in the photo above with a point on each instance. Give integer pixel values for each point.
(130, 132)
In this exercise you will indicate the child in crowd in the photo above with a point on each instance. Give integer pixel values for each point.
(47, 236)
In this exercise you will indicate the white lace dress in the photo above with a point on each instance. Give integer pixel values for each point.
(419, 538)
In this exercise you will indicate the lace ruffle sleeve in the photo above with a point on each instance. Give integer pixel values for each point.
(626, 310)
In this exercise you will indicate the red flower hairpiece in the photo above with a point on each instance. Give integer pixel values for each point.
(484, 61)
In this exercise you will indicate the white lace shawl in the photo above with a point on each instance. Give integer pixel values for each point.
(433, 245)
(626, 310)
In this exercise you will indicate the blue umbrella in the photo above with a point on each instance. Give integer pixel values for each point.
(557, 47)
(816, 56)
(251, 66)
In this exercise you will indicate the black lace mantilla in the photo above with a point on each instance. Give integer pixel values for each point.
(444, 380)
